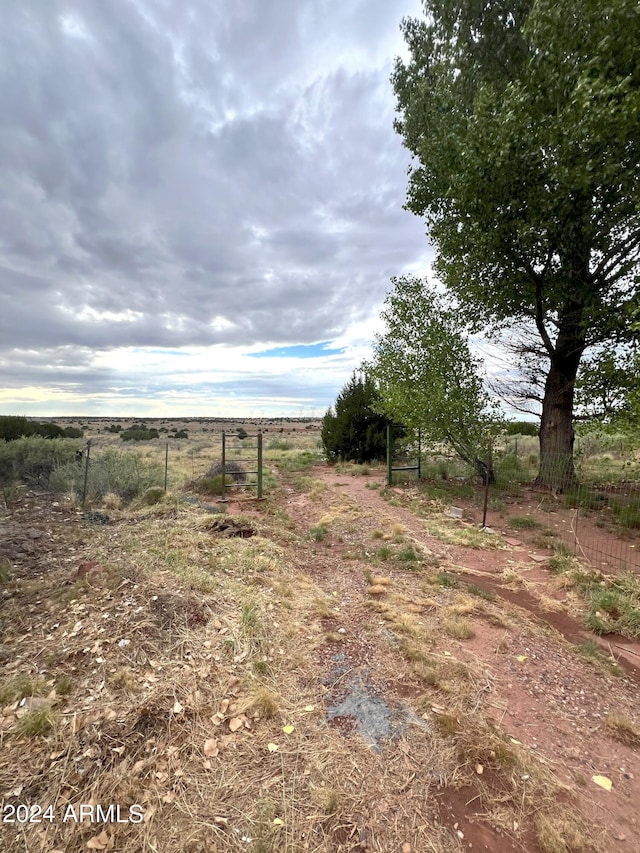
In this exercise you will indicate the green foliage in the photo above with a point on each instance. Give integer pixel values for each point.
(354, 429)
(521, 428)
(32, 459)
(426, 375)
(139, 432)
(213, 485)
(123, 473)
(524, 121)
(13, 428)
(242, 433)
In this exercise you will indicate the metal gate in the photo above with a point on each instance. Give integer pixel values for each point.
(228, 444)
(405, 466)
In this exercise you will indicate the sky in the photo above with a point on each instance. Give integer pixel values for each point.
(202, 203)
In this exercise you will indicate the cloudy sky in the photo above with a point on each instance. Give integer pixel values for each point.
(201, 202)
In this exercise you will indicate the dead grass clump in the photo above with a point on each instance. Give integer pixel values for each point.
(561, 832)
(124, 679)
(458, 628)
(261, 701)
(622, 729)
(334, 637)
(112, 501)
(376, 589)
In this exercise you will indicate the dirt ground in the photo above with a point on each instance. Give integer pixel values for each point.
(498, 623)
(550, 700)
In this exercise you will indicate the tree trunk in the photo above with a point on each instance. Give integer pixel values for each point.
(556, 431)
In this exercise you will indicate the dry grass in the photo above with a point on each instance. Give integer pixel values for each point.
(197, 670)
(622, 729)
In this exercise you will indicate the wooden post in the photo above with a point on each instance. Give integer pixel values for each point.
(389, 454)
(259, 464)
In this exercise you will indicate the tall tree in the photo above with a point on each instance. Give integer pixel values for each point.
(427, 377)
(523, 117)
(354, 429)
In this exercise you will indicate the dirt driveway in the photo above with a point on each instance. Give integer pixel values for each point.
(540, 685)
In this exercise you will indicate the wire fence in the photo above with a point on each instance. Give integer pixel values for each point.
(595, 516)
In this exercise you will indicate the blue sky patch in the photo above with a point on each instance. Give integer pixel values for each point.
(298, 351)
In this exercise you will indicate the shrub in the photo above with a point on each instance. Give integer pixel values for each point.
(139, 433)
(124, 473)
(522, 428)
(232, 469)
(242, 433)
(32, 459)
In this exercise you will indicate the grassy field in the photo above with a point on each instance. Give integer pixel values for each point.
(316, 671)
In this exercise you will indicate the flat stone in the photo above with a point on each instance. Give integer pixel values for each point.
(514, 542)
(455, 512)
(539, 558)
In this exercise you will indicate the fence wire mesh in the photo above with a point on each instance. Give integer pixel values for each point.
(596, 517)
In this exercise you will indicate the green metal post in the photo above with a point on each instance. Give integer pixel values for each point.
(86, 474)
(419, 453)
(166, 466)
(259, 464)
(389, 454)
(224, 463)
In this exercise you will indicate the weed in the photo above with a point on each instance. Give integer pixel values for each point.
(4, 571)
(561, 832)
(22, 686)
(334, 637)
(560, 563)
(383, 553)
(63, 685)
(260, 667)
(377, 534)
(318, 533)
(446, 580)
(486, 594)
(523, 522)
(460, 629)
(622, 729)
(125, 679)
(408, 555)
(262, 701)
(36, 723)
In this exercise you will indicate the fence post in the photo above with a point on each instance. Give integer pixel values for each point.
(166, 466)
(389, 454)
(224, 463)
(487, 478)
(259, 464)
(86, 474)
(419, 453)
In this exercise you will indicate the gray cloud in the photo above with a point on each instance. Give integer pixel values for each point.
(195, 173)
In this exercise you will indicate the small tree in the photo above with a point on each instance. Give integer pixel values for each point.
(427, 377)
(354, 429)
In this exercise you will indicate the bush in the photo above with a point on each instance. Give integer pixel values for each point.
(522, 428)
(33, 459)
(354, 430)
(12, 428)
(139, 433)
(153, 495)
(123, 473)
(242, 433)
(232, 469)
(213, 485)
